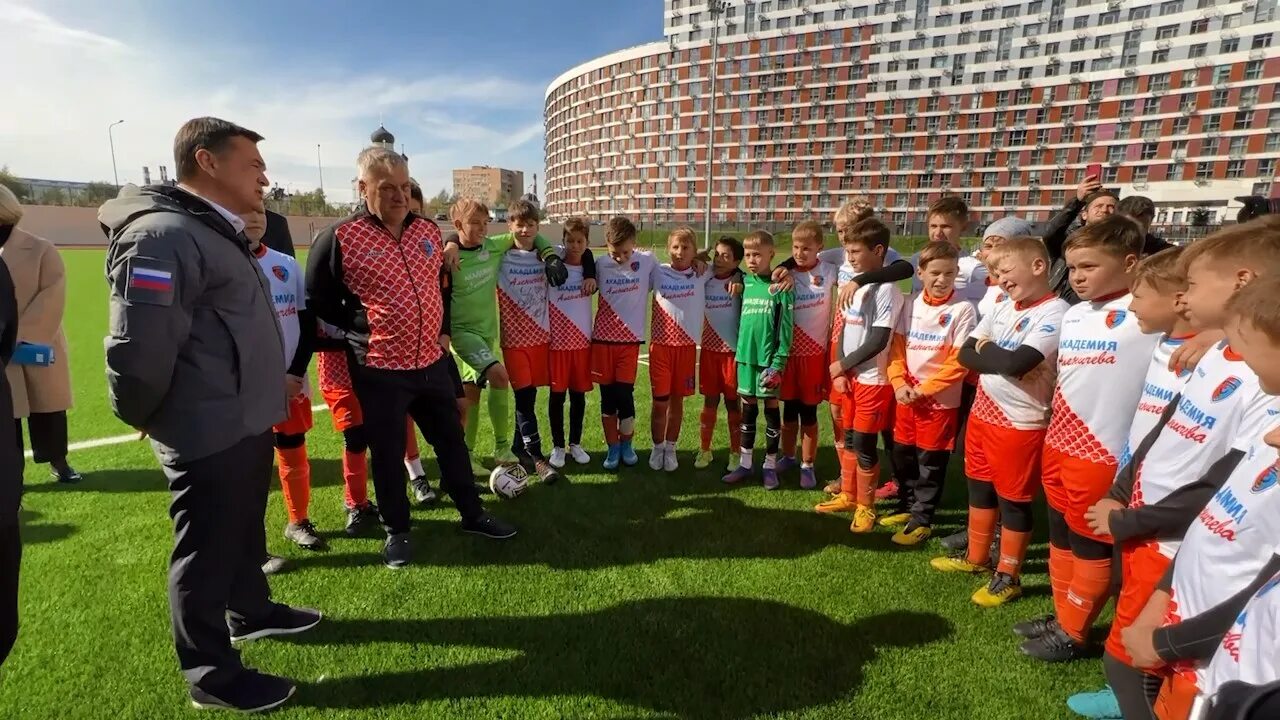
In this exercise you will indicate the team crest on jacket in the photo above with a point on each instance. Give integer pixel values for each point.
(1226, 388)
(281, 272)
(1115, 318)
(944, 319)
(1022, 324)
(1266, 479)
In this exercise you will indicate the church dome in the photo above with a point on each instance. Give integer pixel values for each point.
(382, 136)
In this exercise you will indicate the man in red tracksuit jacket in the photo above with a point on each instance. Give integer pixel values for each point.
(380, 277)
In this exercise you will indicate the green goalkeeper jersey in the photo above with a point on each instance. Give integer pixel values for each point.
(475, 284)
(764, 332)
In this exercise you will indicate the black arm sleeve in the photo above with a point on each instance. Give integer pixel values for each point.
(895, 271)
(306, 344)
(1237, 700)
(995, 360)
(8, 316)
(1197, 638)
(1122, 489)
(1055, 231)
(877, 340)
(446, 299)
(790, 263)
(588, 265)
(325, 289)
(1170, 518)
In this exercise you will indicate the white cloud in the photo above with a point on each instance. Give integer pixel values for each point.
(77, 81)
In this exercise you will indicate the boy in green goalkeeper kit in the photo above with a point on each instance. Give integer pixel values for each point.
(474, 318)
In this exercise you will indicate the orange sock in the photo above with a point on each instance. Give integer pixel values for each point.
(410, 443)
(790, 430)
(1013, 550)
(867, 480)
(295, 481)
(707, 426)
(848, 472)
(1090, 586)
(1061, 567)
(809, 443)
(982, 525)
(675, 418)
(735, 428)
(610, 428)
(355, 479)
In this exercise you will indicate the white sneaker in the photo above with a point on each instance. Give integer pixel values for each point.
(671, 463)
(658, 456)
(580, 456)
(557, 457)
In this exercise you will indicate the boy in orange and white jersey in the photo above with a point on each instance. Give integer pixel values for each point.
(718, 365)
(570, 311)
(679, 297)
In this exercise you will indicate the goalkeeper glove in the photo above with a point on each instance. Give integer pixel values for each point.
(770, 378)
(556, 271)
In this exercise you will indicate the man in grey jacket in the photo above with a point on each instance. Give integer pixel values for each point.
(195, 361)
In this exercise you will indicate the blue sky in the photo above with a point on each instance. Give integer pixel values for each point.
(458, 83)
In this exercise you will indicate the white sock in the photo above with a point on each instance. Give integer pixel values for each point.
(746, 459)
(414, 467)
(806, 465)
(770, 461)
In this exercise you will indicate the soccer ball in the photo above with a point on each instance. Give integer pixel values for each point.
(508, 480)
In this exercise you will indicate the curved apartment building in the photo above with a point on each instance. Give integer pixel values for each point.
(1004, 103)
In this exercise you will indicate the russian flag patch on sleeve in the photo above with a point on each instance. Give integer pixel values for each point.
(150, 281)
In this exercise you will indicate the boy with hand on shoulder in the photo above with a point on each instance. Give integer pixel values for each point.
(859, 375)
(570, 310)
(1015, 350)
(679, 296)
(927, 377)
(764, 344)
(717, 366)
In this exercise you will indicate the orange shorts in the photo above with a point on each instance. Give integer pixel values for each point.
(925, 426)
(1141, 568)
(1072, 486)
(868, 408)
(344, 409)
(571, 370)
(528, 366)
(614, 363)
(1005, 457)
(718, 374)
(299, 420)
(1176, 697)
(672, 370)
(806, 379)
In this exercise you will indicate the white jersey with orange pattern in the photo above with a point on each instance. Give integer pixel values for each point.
(879, 305)
(1102, 358)
(1021, 403)
(570, 312)
(721, 314)
(993, 296)
(1158, 388)
(934, 333)
(522, 300)
(814, 289)
(1232, 540)
(679, 301)
(1220, 403)
(624, 293)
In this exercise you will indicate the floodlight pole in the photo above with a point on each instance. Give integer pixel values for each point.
(715, 7)
(112, 141)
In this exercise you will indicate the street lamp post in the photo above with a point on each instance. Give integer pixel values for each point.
(320, 168)
(111, 139)
(715, 7)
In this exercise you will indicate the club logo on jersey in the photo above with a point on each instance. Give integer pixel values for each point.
(1022, 324)
(281, 272)
(689, 275)
(1114, 318)
(1001, 297)
(635, 265)
(428, 247)
(1266, 479)
(1226, 388)
(944, 319)
(815, 280)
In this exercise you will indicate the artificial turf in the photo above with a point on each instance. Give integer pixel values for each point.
(627, 595)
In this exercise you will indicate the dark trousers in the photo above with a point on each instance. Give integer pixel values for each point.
(48, 436)
(10, 560)
(921, 475)
(427, 396)
(218, 506)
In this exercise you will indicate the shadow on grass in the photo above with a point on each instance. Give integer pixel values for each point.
(324, 473)
(691, 657)
(35, 532)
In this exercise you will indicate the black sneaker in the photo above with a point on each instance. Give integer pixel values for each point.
(304, 535)
(274, 565)
(398, 551)
(361, 518)
(956, 542)
(422, 491)
(1036, 627)
(283, 620)
(489, 526)
(67, 475)
(250, 692)
(1054, 646)
(547, 473)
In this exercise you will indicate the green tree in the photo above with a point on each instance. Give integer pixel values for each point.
(1199, 217)
(11, 181)
(54, 196)
(95, 194)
